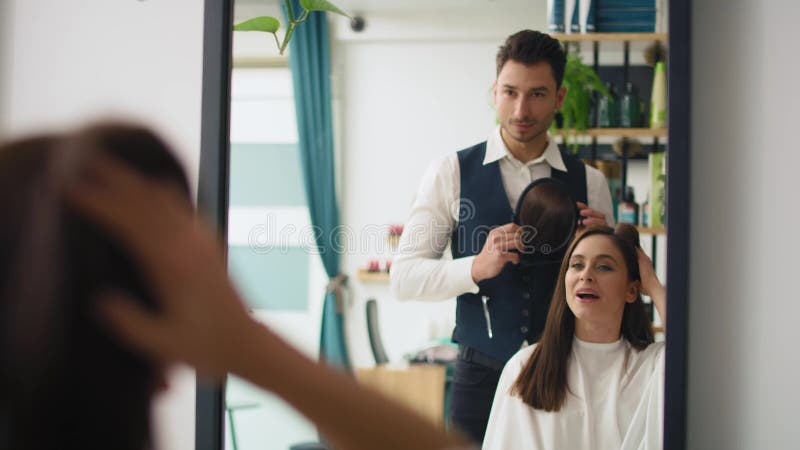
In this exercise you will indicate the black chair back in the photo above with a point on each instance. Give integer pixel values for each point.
(374, 333)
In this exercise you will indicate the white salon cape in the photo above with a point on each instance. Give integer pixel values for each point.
(615, 400)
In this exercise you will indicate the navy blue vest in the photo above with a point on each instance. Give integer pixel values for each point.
(518, 297)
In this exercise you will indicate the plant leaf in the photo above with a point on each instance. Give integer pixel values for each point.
(266, 24)
(322, 5)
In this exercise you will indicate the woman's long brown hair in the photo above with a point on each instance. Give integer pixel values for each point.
(542, 383)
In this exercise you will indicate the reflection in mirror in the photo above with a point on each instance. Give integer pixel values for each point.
(595, 378)
(280, 278)
(274, 272)
(548, 218)
(408, 91)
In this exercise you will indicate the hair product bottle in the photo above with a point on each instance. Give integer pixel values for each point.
(607, 109)
(628, 209)
(646, 211)
(629, 107)
(658, 99)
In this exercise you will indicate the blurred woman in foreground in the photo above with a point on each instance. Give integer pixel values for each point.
(100, 248)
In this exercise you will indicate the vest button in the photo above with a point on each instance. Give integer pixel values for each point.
(525, 313)
(526, 295)
(523, 329)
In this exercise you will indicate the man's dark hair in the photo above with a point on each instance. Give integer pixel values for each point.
(530, 47)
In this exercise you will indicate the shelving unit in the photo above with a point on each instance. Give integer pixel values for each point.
(594, 133)
(629, 133)
(626, 39)
(623, 132)
(379, 277)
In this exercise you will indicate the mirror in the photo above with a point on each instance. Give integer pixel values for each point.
(271, 254)
(412, 86)
(548, 217)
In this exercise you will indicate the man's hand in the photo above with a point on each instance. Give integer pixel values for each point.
(500, 248)
(589, 217)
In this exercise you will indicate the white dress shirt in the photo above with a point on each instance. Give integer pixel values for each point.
(423, 269)
(615, 400)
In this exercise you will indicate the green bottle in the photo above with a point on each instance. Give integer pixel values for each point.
(629, 107)
(658, 99)
(607, 109)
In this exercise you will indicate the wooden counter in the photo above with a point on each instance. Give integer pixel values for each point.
(420, 387)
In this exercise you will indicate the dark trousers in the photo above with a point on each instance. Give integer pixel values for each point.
(471, 395)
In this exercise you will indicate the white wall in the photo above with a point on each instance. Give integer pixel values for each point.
(64, 62)
(5, 47)
(67, 62)
(743, 304)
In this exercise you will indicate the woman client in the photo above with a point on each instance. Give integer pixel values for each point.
(595, 379)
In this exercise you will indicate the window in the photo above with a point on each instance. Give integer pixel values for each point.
(270, 245)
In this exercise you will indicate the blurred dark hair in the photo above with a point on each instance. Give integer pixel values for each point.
(530, 47)
(66, 382)
(542, 383)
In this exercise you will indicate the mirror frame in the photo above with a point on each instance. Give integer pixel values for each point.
(678, 232)
(213, 188)
(213, 184)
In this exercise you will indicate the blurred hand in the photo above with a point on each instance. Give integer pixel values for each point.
(588, 217)
(201, 320)
(501, 247)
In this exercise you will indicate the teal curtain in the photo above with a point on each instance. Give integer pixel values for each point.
(309, 61)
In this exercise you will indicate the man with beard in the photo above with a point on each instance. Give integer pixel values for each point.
(468, 198)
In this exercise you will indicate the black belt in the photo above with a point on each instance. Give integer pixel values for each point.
(467, 353)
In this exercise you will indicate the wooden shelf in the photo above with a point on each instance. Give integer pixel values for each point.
(627, 132)
(375, 277)
(622, 132)
(652, 231)
(610, 37)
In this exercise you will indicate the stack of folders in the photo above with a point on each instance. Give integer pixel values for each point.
(555, 16)
(626, 16)
(571, 16)
(607, 16)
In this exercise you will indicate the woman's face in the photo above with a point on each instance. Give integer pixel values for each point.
(597, 282)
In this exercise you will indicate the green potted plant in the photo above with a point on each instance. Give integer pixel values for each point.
(268, 24)
(582, 83)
